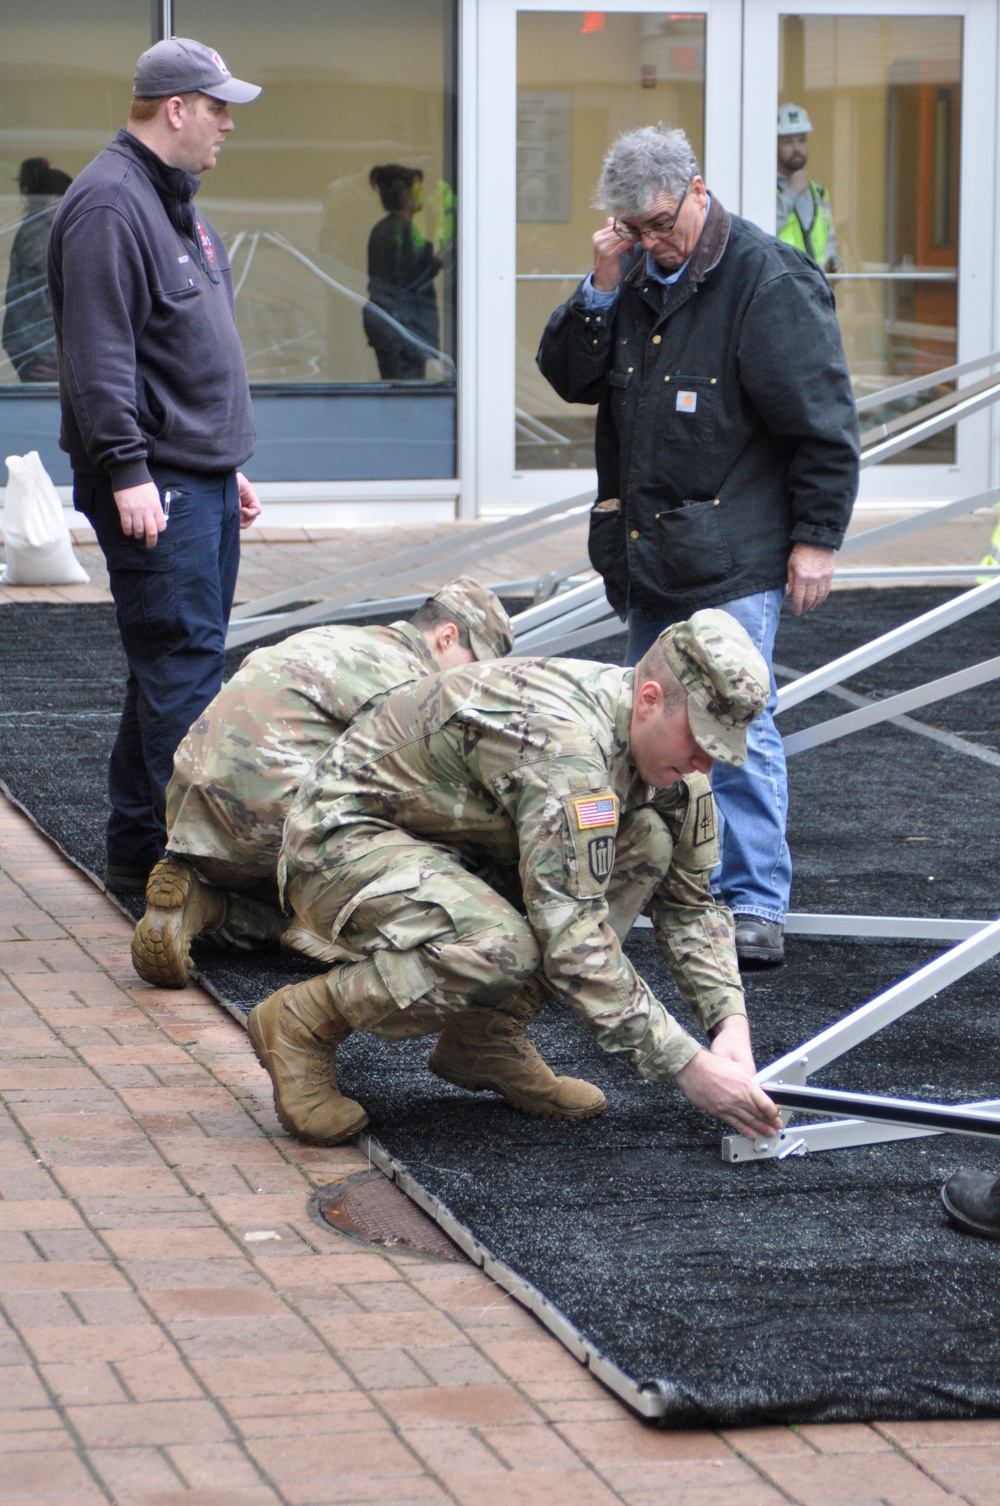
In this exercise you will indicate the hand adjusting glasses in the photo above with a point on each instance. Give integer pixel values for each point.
(658, 229)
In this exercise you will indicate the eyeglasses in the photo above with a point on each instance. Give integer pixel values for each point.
(658, 229)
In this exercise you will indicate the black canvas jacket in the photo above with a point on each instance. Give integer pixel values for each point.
(726, 426)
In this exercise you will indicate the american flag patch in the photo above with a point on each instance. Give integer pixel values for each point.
(599, 812)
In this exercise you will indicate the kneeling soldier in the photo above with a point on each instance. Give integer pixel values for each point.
(238, 769)
(587, 783)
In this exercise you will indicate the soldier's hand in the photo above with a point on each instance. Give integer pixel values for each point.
(609, 248)
(731, 1042)
(728, 1091)
(141, 513)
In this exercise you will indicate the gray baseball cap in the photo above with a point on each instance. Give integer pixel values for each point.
(179, 66)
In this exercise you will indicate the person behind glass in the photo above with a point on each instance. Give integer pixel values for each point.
(727, 453)
(156, 417)
(805, 216)
(28, 336)
(402, 266)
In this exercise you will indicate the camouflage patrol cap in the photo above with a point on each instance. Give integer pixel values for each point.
(726, 679)
(481, 612)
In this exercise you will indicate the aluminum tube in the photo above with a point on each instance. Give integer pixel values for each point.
(883, 711)
(887, 644)
(426, 554)
(904, 1111)
(924, 383)
(887, 1007)
(242, 632)
(930, 426)
(859, 541)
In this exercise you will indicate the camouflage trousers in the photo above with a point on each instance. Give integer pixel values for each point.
(422, 938)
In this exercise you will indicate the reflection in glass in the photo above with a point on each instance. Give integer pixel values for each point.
(65, 87)
(583, 77)
(883, 99)
(348, 87)
(29, 337)
(401, 321)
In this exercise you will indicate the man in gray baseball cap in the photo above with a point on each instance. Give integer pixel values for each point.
(156, 416)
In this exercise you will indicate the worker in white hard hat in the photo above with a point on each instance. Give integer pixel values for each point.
(805, 219)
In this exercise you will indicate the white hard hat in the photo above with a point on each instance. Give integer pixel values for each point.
(793, 121)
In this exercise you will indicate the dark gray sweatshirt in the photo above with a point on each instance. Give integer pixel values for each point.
(150, 363)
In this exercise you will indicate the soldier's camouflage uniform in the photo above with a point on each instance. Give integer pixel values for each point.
(238, 768)
(518, 768)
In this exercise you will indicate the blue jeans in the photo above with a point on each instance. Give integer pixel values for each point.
(755, 874)
(172, 604)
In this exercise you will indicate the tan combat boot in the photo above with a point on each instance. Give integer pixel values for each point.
(179, 907)
(295, 1034)
(484, 1048)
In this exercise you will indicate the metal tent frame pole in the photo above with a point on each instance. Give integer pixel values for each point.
(867, 1121)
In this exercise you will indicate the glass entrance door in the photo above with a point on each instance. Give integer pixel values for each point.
(560, 83)
(887, 120)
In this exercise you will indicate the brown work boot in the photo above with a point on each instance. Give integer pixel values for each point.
(179, 907)
(295, 1034)
(484, 1048)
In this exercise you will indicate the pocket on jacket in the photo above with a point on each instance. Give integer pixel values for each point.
(688, 412)
(618, 381)
(143, 584)
(685, 546)
(606, 548)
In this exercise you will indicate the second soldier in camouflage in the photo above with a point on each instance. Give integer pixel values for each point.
(238, 769)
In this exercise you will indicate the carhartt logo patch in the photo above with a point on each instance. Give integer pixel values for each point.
(704, 820)
(600, 812)
(601, 857)
(687, 402)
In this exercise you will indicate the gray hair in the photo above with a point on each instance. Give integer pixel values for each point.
(641, 165)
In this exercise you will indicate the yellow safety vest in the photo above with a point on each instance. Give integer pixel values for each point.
(814, 242)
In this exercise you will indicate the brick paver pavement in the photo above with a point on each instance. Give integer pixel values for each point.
(154, 1351)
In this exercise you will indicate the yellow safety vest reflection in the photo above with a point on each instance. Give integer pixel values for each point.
(813, 242)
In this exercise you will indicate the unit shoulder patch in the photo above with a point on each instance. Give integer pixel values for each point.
(704, 820)
(601, 857)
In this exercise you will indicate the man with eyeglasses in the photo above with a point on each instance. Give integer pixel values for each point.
(727, 452)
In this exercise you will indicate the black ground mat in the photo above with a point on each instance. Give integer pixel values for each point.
(822, 1288)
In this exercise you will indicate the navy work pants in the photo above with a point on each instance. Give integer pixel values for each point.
(172, 604)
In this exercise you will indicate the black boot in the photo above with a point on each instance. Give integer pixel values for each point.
(759, 943)
(972, 1202)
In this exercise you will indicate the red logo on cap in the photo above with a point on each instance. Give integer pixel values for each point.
(219, 63)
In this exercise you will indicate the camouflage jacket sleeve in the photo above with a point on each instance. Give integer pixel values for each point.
(564, 867)
(694, 932)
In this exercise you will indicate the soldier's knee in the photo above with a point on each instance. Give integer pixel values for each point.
(492, 961)
(512, 951)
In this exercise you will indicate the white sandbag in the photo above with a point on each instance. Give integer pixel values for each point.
(36, 539)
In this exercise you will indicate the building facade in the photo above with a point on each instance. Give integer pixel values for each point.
(411, 196)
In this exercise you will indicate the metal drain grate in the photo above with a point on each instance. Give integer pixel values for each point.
(370, 1209)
